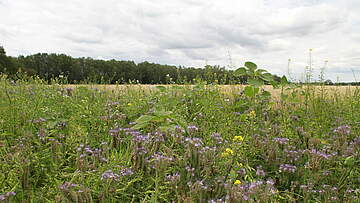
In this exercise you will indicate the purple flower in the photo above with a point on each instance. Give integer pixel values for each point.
(141, 138)
(113, 103)
(67, 186)
(40, 120)
(259, 171)
(190, 170)
(281, 140)
(126, 172)
(241, 171)
(321, 154)
(287, 168)
(342, 130)
(270, 182)
(217, 137)
(109, 175)
(173, 178)
(325, 173)
(197, 142)
(7, 195)
(192, 128)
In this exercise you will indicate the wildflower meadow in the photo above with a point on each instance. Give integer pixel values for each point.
(177, 143)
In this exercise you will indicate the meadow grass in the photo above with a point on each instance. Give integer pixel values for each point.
(200, 143)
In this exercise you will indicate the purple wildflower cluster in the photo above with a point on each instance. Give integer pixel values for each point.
(7, 195)
(250, 190)
(197, 186)
(67, 186)
(192, 128)
(196, 142)
(39, 120)
(173, 178)
(321, 154)
(281, 140)
(342, 130)
(217, 138)
(159, 160)
(287, 168)
(110, 175)
(87, 151)
(260, 171)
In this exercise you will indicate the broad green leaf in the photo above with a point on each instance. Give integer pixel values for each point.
(250, 65)
(139, 126)
(267, 77)
(166, 128)
(144, 119)
(249, 91)
(255, 82)
(260, 71)
(256, 90)
(240, 71)
(163, 113)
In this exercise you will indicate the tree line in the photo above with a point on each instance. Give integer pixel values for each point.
(89, 70)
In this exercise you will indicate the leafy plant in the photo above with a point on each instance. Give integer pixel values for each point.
(255, 78)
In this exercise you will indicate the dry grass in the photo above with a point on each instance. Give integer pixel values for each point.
(226, 89)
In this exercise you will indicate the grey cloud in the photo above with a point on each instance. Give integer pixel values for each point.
(186, 32)
(83, 39)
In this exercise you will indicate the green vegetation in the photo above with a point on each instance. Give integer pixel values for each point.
(178, 143)
(88, 70)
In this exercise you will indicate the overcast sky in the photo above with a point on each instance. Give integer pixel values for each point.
(191, 32)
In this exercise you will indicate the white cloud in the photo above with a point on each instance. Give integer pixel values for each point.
(188, 32)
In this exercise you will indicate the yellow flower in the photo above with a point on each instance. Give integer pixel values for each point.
(228, 152)
(237, 182)
(129, 104)
(238, 139)
(323, 141)
(252, 114)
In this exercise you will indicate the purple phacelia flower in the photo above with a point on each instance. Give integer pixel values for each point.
(173, 178)
(260, 172)
(270, 182)
(241, 171)
(192, 128)
(342, 130)
(39, 120)
(197, 142)
(287, 168)
(217, 137)
(67, 186)
(7, 195)
(126, 172)
(109, 175)
(281, 140)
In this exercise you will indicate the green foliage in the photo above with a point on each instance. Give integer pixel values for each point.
(190, 143)
(159, 120)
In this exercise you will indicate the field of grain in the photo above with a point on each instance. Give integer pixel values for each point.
(174, 143)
